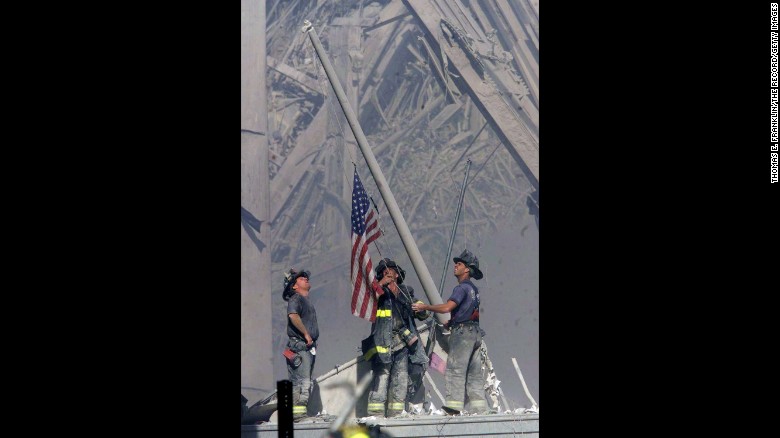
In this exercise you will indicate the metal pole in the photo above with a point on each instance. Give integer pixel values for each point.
(525, 388)
(454, 227)
(395, 213)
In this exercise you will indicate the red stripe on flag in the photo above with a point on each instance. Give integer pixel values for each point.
(364, 290)
(363, 303)
(352, 270)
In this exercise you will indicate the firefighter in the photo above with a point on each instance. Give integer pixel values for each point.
(394, 341)
(464, 365)
(303, 332)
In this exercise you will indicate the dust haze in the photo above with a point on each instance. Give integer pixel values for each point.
(423, 125)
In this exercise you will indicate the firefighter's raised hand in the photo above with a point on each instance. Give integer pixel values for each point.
(387, 278)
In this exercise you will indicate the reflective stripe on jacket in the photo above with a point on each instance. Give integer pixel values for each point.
(382, 328)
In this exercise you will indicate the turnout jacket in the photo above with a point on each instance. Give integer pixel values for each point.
(379, 344)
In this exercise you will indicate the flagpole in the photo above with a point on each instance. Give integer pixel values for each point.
(395, 213)
(455, 225)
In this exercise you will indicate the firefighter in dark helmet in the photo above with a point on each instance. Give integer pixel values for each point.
(303, 332)
(394, 341)
(464, 366)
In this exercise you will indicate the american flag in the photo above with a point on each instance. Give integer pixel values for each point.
(438, 364)
(364, 231)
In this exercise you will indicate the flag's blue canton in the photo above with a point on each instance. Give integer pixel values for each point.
(359, 207)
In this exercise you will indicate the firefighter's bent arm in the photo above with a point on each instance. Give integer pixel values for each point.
(296, 321)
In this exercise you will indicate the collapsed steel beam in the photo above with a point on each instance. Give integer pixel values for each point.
(512, 131)
(293, 74)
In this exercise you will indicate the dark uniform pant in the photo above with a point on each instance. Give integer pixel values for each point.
(301, 379)
(464, 370)
(416, 373)
(389, 385)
